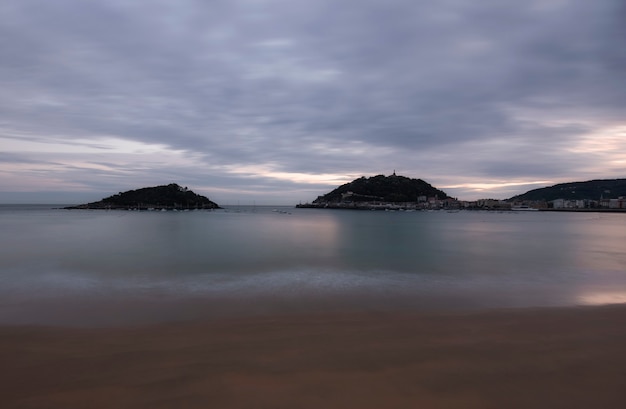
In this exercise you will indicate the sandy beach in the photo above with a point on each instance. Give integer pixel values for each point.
(527, 358)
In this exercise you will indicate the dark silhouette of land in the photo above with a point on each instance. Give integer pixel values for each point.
(379, 189)
(589, 190)
(166, 197)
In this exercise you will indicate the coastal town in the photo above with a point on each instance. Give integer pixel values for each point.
(451, 204)
(399, 193)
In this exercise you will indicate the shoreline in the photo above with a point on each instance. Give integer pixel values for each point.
(515, 358)
(396, 207)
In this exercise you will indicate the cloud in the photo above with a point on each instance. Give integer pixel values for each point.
(447, 90)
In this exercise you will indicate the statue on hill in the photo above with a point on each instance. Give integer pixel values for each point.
(165, 197)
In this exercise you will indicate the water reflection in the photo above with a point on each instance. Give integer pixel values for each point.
(413, 259)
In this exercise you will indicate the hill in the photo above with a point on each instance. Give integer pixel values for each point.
(170, 196)
(389, 189)
(592, 190)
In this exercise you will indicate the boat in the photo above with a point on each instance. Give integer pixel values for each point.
(523, 208)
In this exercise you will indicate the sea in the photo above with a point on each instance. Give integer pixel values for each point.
(99, 267)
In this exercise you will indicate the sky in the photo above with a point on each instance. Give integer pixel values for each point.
(280, 101)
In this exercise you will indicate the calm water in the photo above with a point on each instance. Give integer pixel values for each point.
(93, 267)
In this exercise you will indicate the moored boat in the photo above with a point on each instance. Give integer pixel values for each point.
(523, 208)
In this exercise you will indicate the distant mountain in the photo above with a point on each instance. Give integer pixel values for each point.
(391, 189)
(170, 196)
(592, 190)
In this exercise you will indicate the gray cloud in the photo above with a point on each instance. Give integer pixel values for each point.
(494, 90)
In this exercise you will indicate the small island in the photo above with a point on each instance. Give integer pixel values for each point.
(165, 197)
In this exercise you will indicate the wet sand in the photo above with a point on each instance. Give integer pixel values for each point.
(527, 358)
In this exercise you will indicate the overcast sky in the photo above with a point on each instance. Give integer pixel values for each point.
(279, 101)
